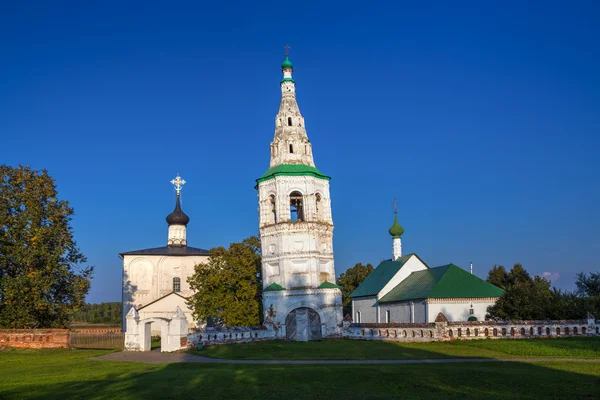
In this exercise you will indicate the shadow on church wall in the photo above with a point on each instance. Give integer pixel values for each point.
(127, 299)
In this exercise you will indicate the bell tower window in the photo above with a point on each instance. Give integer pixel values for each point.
(289, 121)
(296, 207)
(291, 148)
(177, 284)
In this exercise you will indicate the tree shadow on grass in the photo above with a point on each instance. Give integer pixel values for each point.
(343, 349)
(69, 374)
(419, 381)
(579, 347)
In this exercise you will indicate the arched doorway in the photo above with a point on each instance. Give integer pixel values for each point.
(147, 326)
(303, 324)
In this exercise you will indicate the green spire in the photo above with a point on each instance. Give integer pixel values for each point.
(396, 230)
(287, 63)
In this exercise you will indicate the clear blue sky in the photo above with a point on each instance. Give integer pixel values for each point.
(483, 120)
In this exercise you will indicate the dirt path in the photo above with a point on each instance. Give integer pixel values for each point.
(153, 357)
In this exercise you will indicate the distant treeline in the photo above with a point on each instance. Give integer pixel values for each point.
(103, 313)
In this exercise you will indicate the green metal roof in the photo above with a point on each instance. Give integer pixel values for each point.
(292, 170)
(448, 281)
(381, 276)
(273, 287)
(328, 285)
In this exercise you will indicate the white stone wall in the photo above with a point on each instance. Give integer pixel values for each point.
(404, 312)
(237, 334)
(458, 309)
(448, 331)
(296, 254)
(174, 331)
(148, 278)
(163, 308)
(367, 306)
(326, 302)
(177, 235)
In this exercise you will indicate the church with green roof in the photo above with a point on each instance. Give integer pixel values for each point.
(405, 289)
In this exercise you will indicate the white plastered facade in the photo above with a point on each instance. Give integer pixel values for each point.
(459, 309)
(147, 278)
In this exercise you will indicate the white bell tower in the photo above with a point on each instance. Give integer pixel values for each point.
(296, 229)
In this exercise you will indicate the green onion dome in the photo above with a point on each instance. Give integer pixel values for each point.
(287, 63)
(396, 230)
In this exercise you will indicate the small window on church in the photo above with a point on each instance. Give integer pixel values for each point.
(318, 206)
(296, 207)
(291, 149)
(358, 317)
(289, 121)
(273, 208)
(471, 311)
(387, 316)
(176, 284)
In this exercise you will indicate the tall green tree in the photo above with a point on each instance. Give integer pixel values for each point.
(524, 297)
(228, 288)
(498, 276)
(349, 281)
(42, 282)
(588, 288)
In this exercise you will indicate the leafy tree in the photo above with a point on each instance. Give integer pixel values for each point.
(524, 297)
(350, 280)
(498, 277)
(588, 285)
(102, 313)
(588, 288)
(41, 282)
(228, 287)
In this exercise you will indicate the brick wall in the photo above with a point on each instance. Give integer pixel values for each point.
(97, 330)
(34, 338)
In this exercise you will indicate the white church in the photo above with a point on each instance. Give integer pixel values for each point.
(298, 272)
(405, 289)
(155, 279)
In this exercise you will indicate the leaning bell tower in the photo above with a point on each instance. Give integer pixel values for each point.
(296, 229)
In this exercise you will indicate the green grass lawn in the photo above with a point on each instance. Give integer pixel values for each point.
(61, 374)
(582, 347)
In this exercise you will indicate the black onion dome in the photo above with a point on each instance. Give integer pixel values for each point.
(177, 217)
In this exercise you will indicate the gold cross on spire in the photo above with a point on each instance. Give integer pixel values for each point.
(178, 183)
(287, 50)
(395, 203)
